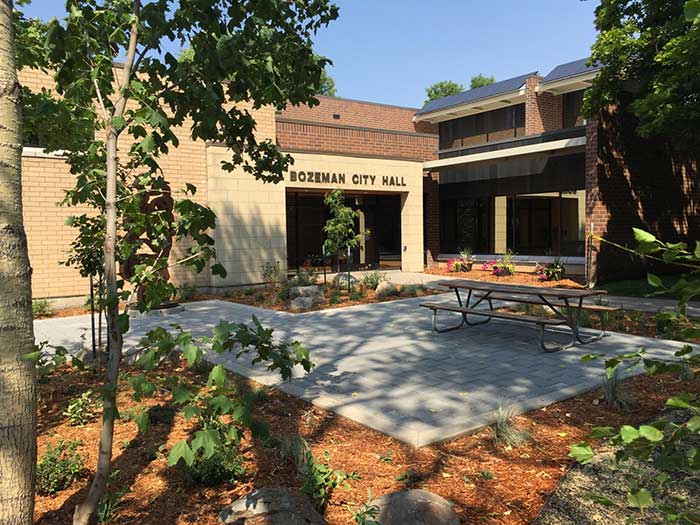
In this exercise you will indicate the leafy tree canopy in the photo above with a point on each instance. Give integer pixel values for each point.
(650, 50)
(444, 88)
(480, 80)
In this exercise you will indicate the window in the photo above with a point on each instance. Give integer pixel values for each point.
(571, 109)
(490, 126)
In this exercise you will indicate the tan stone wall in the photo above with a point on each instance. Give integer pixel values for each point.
(408, 181)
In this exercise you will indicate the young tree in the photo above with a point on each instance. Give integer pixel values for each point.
(327, 85)
(340, 227)
(17, 376)
(480, 80)
(441, 89)
(649, 53)
(114, 122)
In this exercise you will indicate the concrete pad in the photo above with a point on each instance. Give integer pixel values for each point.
(382, 366)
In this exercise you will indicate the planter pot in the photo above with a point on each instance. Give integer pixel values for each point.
(467, 267)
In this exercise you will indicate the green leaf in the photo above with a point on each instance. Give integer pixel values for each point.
(692, 11)
(32, 356)
(599, 498)
(581, 453)
(602, 432)
(680, 401)
(693, 424)
(123, 323)
(142, 421)
(643, 237)
(192, 353)
(654, 280)
(180, 451)
(181, 394)
(217, 376)
(208, 440)
(191, 411)
(651, 433)
(639, 499)
(629, 433)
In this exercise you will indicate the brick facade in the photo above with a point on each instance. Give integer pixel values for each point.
(431, 215)
(633, 182)
(543, 111)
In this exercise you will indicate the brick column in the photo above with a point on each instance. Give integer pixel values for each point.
(431, 190)
(543, 111)
(597, 214)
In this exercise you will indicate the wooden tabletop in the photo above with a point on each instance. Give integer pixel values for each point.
(518, 289)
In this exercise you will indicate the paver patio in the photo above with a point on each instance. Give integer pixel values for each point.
(382, 366)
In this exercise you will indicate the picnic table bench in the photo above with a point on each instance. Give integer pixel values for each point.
(566, 303)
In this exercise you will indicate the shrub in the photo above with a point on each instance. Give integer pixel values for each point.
(224, 466)
(456, 265)
(372, 279)
(304, 277)
(551, 272)
(186, 292)
(356, 295)
(412, 289)
(82, 409)
(41, 308)
(270, 273)
(366, 513)
(335, 297)
(504, 432)
(614, 392)
(59, 467)
(111, 500)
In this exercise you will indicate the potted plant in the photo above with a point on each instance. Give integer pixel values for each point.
(467, 258)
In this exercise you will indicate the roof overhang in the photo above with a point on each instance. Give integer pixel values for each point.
(473, 107)
(567, 85)
(557, 146)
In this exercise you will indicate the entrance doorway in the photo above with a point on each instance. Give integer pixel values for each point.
(380, 214)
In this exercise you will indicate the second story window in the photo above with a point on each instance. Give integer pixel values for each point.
(490, 126)
(571, 109)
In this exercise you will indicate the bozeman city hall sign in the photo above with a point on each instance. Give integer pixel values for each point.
(358, 179)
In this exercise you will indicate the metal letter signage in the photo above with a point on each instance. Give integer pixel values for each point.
(356, 179)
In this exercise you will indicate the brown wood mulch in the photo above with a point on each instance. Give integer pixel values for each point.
(458, 470)
(526, 278)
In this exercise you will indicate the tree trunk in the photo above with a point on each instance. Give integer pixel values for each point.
(17, 376)
(86, 510)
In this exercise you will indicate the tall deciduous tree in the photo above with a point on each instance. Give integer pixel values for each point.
(441, 89)
(17, 376)
(480, 80)
(114, 122)
(649, 52)
(341, 227)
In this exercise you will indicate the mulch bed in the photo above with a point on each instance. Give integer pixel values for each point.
(522, 478)
(524, 278)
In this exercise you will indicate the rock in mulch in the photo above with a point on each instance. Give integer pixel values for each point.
(312, 291)
(302, 303)
(341, 280)
(385, 289)
(414, 507)
(271, 506)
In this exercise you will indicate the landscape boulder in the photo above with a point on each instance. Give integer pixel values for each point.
(414, 507)
(385, 289)
(302, 303)
(341, 280)
(312, 291)
(271, 506)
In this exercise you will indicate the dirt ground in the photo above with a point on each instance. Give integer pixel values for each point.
(487, 483)
(525, 278)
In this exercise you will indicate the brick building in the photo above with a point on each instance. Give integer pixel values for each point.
(509, 166)
(519, 169)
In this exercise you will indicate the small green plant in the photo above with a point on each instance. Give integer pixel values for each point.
(409, 477)
(388, 457)
(466, 255)
(59, 467)
(485, 475)
(271, 273)
(112, 499)
(614, 392)
(304, 277)
(504, 432)
(372, 279)
(412, 290)
(47, 362)
(335, 297)
(553, 271)
(41, 308)
(356, 295)
(224, 466)
(366, 513)
(82, 409)
(186, 292)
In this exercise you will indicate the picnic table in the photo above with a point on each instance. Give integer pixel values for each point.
(566, 303)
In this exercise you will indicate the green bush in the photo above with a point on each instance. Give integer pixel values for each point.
(412, 290)
(59, 467)
(41, 308)
(372, 279)
(82, 409)
(186, 292)
(356, 295)
(112, 499)
(224, 466)
(302, 278)
(270, 273)
(504, 432)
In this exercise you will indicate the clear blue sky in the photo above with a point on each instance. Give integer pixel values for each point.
(391, 50)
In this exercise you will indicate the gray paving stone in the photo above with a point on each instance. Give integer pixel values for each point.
(382, 366)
